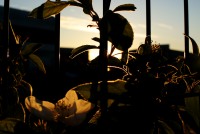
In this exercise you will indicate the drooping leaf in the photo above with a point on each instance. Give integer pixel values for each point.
(194, 45)
(38, 62)
(50, 8)
(30, 48)
(125, 7)
(75, 52)
(120, 32)
(115, 88)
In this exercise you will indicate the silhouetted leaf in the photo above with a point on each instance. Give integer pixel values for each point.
(30, 48)
(125, 7)
(115, 88)
(75, 52)
(194, 45)
(112, 61)
(120, 32)
(50, 8)
(96, 39)
(38, 62)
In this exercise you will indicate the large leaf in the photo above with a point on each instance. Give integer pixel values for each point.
(194, 45)
(50, 8)
(38, 62)
(30, 48)
(193, 59)
(115, 88)
(112, 61)
(120, 32)
(75, 52)
(125, 7)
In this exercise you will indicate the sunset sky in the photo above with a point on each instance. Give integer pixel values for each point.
(167, 21)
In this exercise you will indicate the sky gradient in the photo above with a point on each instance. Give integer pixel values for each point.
(167, 22)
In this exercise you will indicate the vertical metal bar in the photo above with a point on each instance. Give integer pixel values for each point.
(57, 50)
(6, 29)
(103, 60)
(106, 5)
(186, 27)
(4, 84)
(57, 41)
(148, 18)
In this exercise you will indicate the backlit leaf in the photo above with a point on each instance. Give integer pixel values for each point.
(30, 48)
(38, 62)
(115, 88)
(75, 52)
(48, 9)
(120, 32)
(194, 45)
(96, 39)
(125, 7)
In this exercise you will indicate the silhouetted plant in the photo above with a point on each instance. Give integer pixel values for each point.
(148, 98)
(13, 87)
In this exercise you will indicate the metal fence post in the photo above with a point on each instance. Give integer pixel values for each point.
(103, 60)
(5, 44)
(148, 18)
(186, 27)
